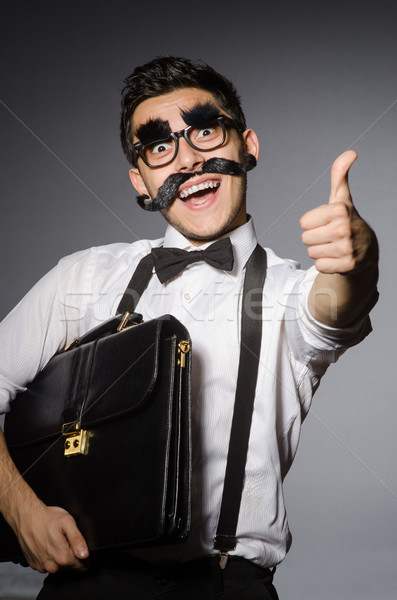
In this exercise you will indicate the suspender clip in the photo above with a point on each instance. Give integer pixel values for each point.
(224, 543)
(223, 556)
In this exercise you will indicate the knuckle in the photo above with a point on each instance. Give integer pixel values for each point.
(50, 566)
(323, 266)
(62, 514)
(64, 561)
(63, 558)
(37, 566)
(342, 230)
(67, 522)
(347, 247)
(340, 210)
(350, 263)
(312, 252)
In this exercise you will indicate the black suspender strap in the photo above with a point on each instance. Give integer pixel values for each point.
(137, 285)
(250, 348)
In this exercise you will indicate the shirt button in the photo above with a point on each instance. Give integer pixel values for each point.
(187, 296)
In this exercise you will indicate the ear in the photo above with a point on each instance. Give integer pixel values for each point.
(251, 142)
(137, 182)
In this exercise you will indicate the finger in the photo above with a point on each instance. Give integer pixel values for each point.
(49, 566)
(340, 191)
(337, 228)
(318, 235)
(335, 265)
(331, 250)
(76, 540)
(317, 217)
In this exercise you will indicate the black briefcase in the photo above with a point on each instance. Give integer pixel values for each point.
(104, 432)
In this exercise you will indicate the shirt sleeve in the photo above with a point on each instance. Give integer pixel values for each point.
(314, 344)
(38, 327)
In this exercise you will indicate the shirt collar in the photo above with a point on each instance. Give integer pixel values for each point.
(243, 240)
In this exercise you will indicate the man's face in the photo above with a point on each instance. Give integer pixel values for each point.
(208, 213)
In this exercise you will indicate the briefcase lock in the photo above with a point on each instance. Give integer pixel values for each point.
(76, 441)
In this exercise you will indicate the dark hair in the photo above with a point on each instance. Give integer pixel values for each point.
(168, 73)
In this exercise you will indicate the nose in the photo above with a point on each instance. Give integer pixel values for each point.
(188, 159)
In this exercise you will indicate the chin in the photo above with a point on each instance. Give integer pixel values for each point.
(207, 233)
(204, 237)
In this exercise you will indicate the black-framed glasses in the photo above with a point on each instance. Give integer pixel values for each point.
(162, 152)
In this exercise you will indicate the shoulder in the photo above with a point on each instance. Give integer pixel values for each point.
(98, 260)
(273, 260)
(112, 251)
(283, 274)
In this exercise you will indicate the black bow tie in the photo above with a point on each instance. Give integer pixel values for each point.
(169, 262)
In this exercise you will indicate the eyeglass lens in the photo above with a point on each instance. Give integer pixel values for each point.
(203, 139)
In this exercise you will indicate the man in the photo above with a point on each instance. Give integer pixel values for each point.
(184, 133)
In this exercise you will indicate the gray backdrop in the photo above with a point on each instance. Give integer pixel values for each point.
(316, 78)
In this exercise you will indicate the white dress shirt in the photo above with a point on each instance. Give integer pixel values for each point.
(85, 288)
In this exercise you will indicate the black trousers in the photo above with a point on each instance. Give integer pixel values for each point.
(123, 577)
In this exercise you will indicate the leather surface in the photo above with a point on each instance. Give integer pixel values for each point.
(133, 487)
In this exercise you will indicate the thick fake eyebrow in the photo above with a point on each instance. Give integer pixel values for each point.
(152, 131)
(200, 114)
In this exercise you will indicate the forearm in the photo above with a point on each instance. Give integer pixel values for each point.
(16, 497)
(339, 299)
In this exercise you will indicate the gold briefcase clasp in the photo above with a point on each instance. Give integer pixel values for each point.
(76, 441)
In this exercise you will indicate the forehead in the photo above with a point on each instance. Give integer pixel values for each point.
(168, 107)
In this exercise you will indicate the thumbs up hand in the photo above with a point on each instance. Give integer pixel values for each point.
(345, 251)
(336, 236)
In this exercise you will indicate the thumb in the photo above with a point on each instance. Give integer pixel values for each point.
(76, 540)
(340, 191)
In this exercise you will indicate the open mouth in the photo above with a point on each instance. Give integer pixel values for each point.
(199, 193)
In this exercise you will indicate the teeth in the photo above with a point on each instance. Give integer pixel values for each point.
(198, 188)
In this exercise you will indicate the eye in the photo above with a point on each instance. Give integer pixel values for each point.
(206, 136)
(160, 148)
(205, 132)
